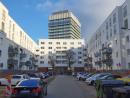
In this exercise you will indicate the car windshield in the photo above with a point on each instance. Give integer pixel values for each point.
(29, 83)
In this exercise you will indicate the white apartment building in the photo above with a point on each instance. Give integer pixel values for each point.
(58, 48)
(111, 34)
(14, 39)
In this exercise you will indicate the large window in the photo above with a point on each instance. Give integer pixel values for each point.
(127, 38)
(125, 11)
(126, 23)
(41, 62)
(114, 18)
(3, 26)
(128, 51)
(42, 42)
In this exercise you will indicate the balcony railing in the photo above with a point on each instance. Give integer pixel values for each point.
(12, 62)
(23, 55)
(12, 51)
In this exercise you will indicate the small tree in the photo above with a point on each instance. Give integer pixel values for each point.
(70, 57)
(52, 61)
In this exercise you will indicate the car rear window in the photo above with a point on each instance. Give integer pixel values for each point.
(29, 83)
(16, 77)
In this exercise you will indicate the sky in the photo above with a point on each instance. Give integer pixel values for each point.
(32, 15)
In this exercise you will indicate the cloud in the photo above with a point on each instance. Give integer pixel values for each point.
(91, 13)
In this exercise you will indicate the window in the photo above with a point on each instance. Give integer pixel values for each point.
(115, 29)
(13, 27)
(64, 47)
(116, 42)
(42, 57)
(114, 18)
(42, 47)
(41, 62)
(79, 62)
(50, 52)
(111, 33)
(129, 65)
(4, 15)
(79, 52)
(42, 52)
(1, 65)
(64, 43)
(42, 42)
(79, 57)
(58, 47)
(1, 41)
(128, 51)
(79, 43)
(117, 54)
(0, 53)
(72, 43)
(37, 50)
(58, 43)
(3, 26)
(49, 47)
(126, 23)
(125, 11)
(127, 39)
(110, 22)
(50, 42)
(107, 37)
(106, 26)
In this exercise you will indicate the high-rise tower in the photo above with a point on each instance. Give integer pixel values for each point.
(64, 25)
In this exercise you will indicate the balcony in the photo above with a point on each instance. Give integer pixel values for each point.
(12, 51)
(12, 62)
(107, 51)
(23, 55)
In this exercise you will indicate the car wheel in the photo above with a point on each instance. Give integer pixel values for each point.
(0, 84)
(79, 78)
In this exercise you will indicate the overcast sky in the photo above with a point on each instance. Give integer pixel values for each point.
(91, 13)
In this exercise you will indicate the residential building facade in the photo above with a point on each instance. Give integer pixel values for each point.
(16, 47)
(58, 49)
(112, 37)
(64, 25)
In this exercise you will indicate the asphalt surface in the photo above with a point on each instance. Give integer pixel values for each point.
(69, 87)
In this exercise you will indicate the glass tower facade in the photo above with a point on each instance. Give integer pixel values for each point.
(64, 25)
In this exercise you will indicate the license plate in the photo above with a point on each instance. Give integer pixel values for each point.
(25, 91)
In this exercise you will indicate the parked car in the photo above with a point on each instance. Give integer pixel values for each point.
(87, 76)
(81, 75)
(91, 80)
(3, 81)
(110, 77)
(15, 79)
(29, 88)
(125, 79)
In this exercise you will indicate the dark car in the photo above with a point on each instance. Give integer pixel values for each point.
(30, 88)
(110, 77)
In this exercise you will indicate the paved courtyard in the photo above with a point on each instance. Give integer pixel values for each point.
(69, 87)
